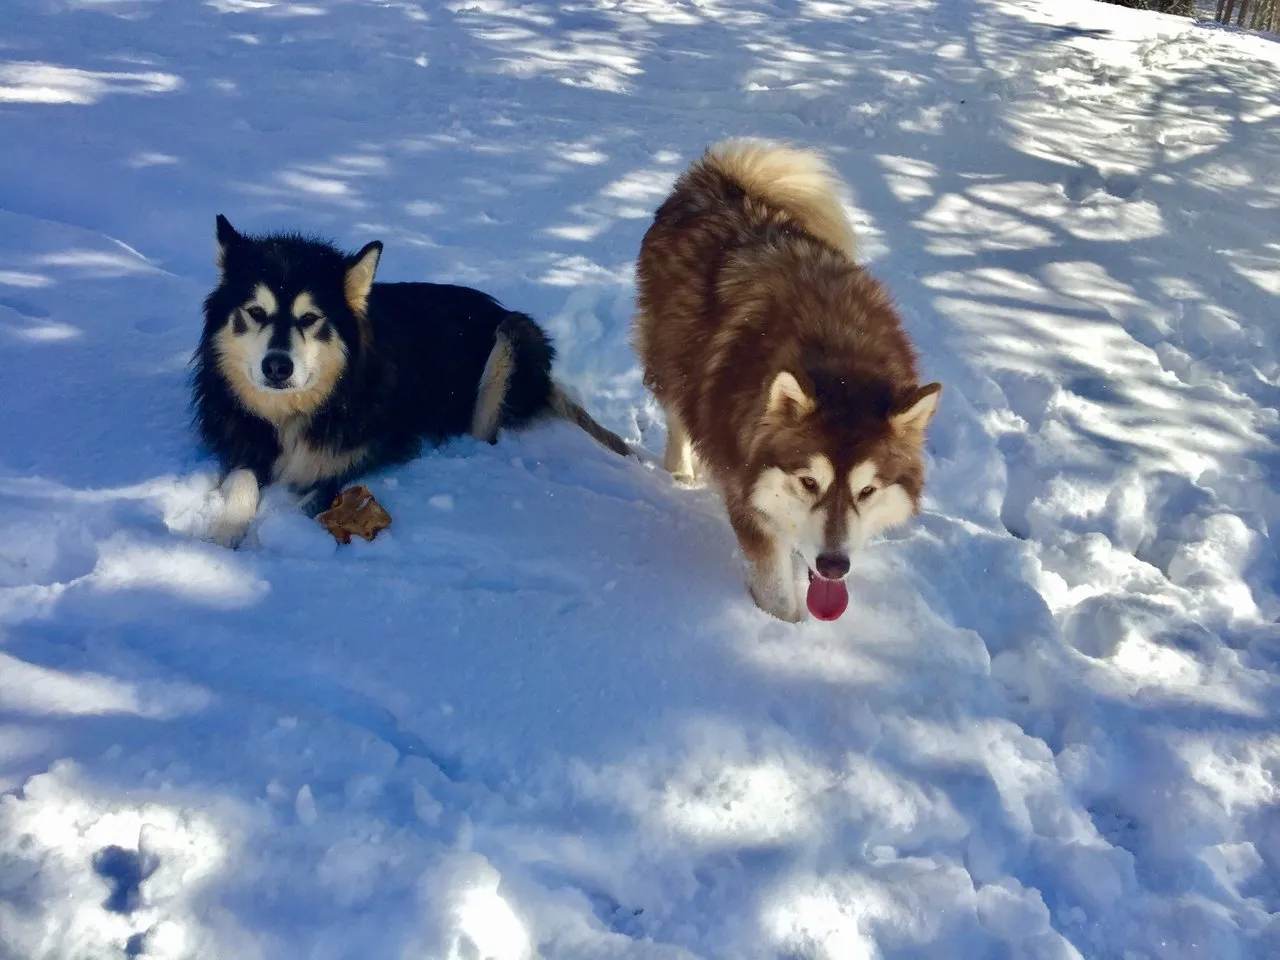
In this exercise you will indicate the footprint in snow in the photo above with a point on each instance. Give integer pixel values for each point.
(1090, 182)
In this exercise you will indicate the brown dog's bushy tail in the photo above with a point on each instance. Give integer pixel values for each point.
(566, 408)
(798, 181)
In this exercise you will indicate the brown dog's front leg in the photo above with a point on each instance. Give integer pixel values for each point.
(769, 576)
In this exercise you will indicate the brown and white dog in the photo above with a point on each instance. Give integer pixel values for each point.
(782, 367)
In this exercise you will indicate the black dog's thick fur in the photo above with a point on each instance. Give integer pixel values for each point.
(415, 358)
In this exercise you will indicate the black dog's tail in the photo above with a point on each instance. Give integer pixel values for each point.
(516, 387)
(566, 408)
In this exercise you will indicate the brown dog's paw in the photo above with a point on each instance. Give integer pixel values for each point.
(355, 512)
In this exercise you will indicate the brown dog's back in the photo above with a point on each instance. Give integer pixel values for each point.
(748, 270)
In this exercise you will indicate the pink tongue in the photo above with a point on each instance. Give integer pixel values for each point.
(827, 599)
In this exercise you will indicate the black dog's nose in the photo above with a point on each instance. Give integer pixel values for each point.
(833, 566)
(277, 367)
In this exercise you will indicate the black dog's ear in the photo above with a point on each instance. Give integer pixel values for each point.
(227, 239)
(359, 279)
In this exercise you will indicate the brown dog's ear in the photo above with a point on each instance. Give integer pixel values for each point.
(916, 409)
(227, 238)
(787, 399)
(359, 279)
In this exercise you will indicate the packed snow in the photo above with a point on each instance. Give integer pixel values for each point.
(540, 716)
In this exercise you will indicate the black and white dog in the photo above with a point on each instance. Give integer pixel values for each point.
(308, 373)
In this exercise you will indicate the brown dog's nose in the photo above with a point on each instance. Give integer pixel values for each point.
(833, 566)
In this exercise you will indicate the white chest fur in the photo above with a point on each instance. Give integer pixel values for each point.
(302, 464)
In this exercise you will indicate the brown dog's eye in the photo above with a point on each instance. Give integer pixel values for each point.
(259, 315)
(865, 492)
(307, 319)
(810, 484)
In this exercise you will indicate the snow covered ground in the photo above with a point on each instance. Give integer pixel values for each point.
(540, 716)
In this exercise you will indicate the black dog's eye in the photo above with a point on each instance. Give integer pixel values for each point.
(257, 313)
(810, 484)
(307, 319)
(865, 492)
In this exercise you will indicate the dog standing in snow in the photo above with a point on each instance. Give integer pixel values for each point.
(782, 367)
